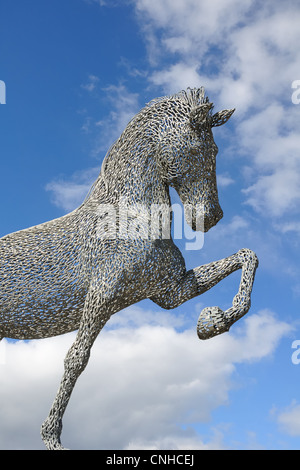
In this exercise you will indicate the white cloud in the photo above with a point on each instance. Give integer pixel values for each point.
(289, 419)
(245, 46)
(272, 136)
(124, 105)
(91, 84)
(141, 381)
(184, 441)
(224, 181)
(190, 22)
(289, 227)
(277, 193)
(176, 77)
(68, 194)
(102, 3)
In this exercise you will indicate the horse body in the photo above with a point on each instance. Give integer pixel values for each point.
(116, 249)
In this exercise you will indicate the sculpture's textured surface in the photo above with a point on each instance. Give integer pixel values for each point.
(74, 272)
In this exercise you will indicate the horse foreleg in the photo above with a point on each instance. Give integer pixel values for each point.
(212, 320)
(74, 364)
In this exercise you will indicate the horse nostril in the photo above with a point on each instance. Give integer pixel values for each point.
(212, 218)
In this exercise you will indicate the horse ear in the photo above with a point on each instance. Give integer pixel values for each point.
(198, 115)
(221, 117)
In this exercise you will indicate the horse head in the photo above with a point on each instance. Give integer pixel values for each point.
(188, 157)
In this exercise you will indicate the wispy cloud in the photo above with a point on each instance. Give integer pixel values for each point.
(91, 83)
(68, 193)
(124, 104)
(224, 180)
(288, 419)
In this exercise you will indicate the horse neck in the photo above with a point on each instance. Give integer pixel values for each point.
(130, 171)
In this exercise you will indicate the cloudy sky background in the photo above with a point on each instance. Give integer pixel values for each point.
(75, 73)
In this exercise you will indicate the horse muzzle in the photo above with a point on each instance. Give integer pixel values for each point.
(206, 219)
(212, 218)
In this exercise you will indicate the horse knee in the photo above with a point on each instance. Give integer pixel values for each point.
(77, 358)
(246, 255)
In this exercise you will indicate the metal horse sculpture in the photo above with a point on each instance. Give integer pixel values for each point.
(73, 273)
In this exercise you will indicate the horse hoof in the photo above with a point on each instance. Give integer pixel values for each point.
(54, 446)
(212, 321)
(50, 433)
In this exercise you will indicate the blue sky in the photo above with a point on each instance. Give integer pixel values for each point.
(75, 73)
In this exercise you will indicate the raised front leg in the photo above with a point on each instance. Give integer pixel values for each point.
(94, 318)
(212, 320)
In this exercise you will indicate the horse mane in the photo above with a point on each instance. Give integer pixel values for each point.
(192, 96)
